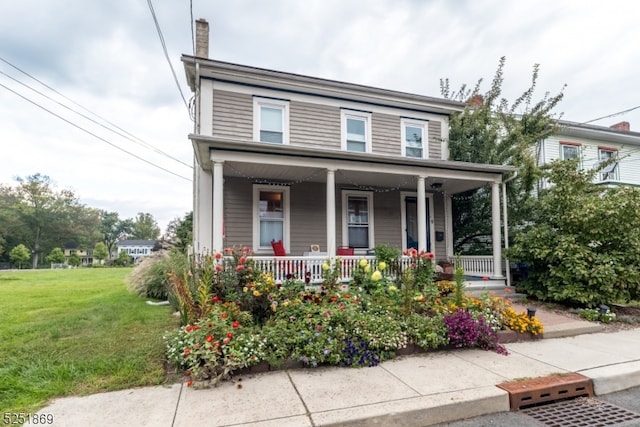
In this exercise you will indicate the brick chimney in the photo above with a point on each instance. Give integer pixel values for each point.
(624, 126)
(202, 38)
(476, 101)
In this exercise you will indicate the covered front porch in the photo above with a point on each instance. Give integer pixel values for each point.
(331, 198)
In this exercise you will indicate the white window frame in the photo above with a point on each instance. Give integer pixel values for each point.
(578, 147)
(256, 218)
(345, 213)
(281, 104)
(616, 170)
(425, 136)
(356, 115)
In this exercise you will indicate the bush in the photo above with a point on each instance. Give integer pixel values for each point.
(150, 278)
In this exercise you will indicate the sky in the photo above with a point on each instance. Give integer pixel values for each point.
(128, 151)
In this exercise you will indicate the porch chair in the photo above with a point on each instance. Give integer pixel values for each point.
(284, 267)
(278, 248)
(345, 251)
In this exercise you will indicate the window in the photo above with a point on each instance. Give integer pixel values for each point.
(357, 229)
(271, 215)
(569, 151)
(271, 120)
(609, 172)
(356, 131)
(414, 139)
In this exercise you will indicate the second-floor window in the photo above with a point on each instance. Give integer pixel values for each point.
(414, 139)
(569, 151)
(609, 172)
(271, 120)
(356, 131)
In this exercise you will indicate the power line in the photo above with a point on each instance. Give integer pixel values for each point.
(191, 24)
(612, 115)
(93, 134)
(166, 54)
(125, 134)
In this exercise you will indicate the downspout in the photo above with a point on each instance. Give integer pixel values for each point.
(506, 225)
(196, 129)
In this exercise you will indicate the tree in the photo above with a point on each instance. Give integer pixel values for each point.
(582, 244)
(20, 254)
(122, 260)
(113, 229)
(145, 227)
(56, 256)
(100, 252)
(74, 260)
(180, 231)
(489, 130)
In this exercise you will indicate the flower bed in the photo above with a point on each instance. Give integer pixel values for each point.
(235, 317)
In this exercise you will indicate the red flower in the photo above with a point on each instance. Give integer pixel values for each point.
(209, 338)
(189, 328)
(224, 315)
(242, 259)
(218, 267)
(215, 298)
(240, 268)
(218, 255)
(189, 383)
(334, 299)
(226, 341)
(229, 335)
(347, 296)
(187, 351)
(196, 327)
(430, 255)
(236, 324)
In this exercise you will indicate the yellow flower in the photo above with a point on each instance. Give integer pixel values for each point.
(245, 289)
(382, 265)
(367, 268)
(376, 276)
(286, 303)
(256, 293)
(325, 266)
(363, 263)
(393, 288)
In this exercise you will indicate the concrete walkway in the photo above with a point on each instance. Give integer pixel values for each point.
(417, 390)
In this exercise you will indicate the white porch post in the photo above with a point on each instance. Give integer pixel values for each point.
(495, 227)
(422, 215)
(218, 211)
(331, 212)
(201, 209)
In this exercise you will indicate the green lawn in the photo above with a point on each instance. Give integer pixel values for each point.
(75, 332)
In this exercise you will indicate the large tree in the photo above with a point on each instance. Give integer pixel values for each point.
(114, 229)
(491, 130)
(42, 217)
(145, 227)
(180, 231)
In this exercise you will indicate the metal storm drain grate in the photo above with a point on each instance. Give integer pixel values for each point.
(549, 389)
(582, 411)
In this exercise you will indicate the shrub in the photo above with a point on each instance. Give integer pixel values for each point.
(466, 331)
(150, 278)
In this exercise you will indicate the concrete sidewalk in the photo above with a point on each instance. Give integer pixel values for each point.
(417, 390)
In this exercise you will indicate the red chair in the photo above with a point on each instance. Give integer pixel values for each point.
(345, 251)
(278, 248)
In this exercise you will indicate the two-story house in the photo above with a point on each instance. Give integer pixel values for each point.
(323, 163)
(593, 145)
(136, 249)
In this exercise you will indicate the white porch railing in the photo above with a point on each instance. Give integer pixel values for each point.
(299, 266)
(477, 265)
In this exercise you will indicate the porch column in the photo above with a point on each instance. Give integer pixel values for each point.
(202, 187)
(218, 212)
(422, 215)
(495, 227)
(331, 212)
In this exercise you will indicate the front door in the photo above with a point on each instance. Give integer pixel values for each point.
(411, 221)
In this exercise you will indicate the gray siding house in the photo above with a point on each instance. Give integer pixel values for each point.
(323, 163)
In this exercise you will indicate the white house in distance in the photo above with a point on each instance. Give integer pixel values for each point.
(135, 248)
(593, 144)
(309, 162)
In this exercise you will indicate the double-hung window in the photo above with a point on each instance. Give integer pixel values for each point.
(569, 151)
(357, 230)
(356, 131)
(414, 139)
(271, 120)
(271, 215)
(610, 171)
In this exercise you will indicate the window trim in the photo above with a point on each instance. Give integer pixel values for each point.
(282, 104)
(256, 218)
(358, 115)
(616, 169)
(423, 124)
(576, 145)
(345, 213)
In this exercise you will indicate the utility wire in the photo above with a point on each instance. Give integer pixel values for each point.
(93, 134)
(191, 25)
(166, 54)
(123, 135)
(612, 115)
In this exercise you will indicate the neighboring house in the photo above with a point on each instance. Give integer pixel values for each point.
(311, 161)
(592, 145)
(135, 248)
(85, 255)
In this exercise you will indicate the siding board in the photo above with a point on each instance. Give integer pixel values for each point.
(232, 115)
